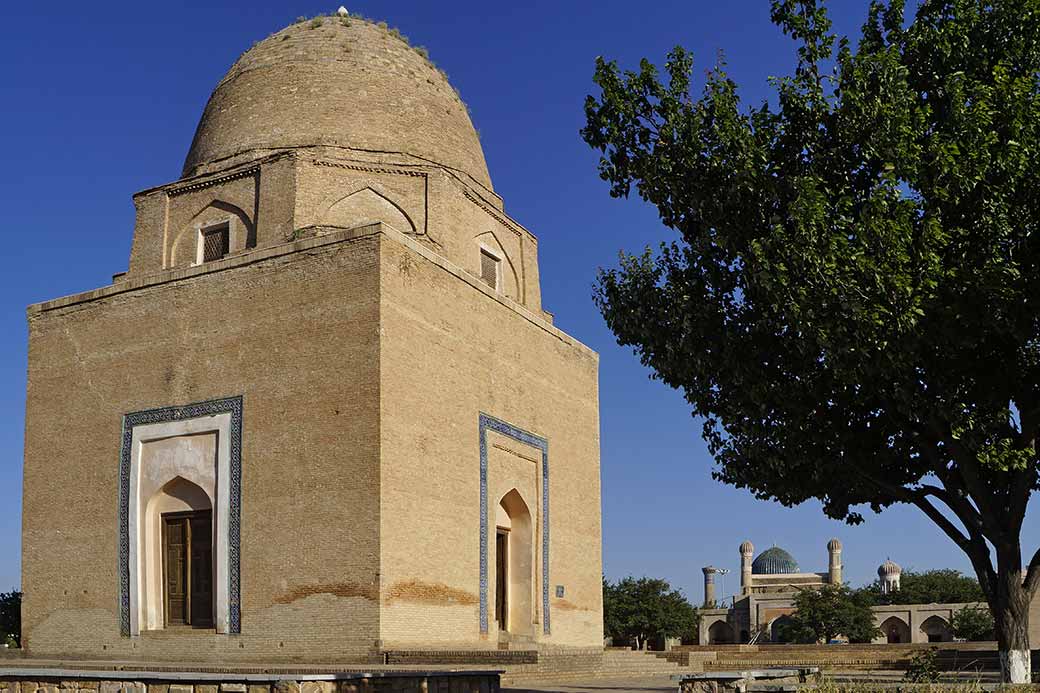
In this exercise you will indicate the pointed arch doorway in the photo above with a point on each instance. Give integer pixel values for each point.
(514, 566)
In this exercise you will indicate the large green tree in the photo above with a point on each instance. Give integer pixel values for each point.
(943, 586)
(823, 615)
(851, 298)
(640, 609)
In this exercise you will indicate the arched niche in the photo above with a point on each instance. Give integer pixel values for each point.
(936, 629)
(895, 630)
(178, 497)
(179, 467)
(489, 243)
(514, 565)
(185, 249)
(780, 630)
(366, 206)
(720, 633)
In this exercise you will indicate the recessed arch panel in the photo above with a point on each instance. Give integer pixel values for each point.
(366, 206)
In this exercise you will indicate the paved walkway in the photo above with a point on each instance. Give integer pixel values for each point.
(649, 683)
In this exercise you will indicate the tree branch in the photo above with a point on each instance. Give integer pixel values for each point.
(1032, 579)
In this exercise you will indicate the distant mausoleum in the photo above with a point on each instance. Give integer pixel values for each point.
(324, 414)
(770, 581)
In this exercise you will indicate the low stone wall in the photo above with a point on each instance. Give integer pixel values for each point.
(64, 681)
(480, 657)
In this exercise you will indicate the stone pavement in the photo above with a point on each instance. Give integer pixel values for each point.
(625, 685)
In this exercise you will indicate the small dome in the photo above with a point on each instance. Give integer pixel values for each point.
(889, 569)
(834, 545)
(774, 561)
(747, 548)
(337, 82)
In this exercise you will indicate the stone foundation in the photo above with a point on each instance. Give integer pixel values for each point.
(63, 681)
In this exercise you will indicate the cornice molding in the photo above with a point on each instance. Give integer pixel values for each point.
(245, 173)
(370, 169)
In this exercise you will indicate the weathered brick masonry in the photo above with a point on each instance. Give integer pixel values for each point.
(374, 340)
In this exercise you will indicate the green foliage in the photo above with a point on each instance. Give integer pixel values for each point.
(11, 618)
(317, 22)
(825, 614)
(828, 685)
(849, 301)
(924, 667)
(973, 624)
(944, 586)
(637, 610)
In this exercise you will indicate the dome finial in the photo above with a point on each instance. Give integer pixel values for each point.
(342, 11)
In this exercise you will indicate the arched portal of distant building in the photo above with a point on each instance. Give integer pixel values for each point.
(720, 633)
(936, 629)
(780, 630)
(895, 630)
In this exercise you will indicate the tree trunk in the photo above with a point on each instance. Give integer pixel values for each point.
(1011, 619)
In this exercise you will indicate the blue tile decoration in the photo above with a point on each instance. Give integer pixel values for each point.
(488, 422)
(230, 405)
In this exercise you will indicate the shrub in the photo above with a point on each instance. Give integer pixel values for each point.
(924, 667)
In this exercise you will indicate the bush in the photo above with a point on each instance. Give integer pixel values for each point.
(924, 667)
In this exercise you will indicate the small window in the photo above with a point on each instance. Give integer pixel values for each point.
(216, 243)
(489, 268)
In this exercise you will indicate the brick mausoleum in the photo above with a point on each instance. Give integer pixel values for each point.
(323, 415)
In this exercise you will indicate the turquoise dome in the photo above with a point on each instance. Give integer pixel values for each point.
(774, 561)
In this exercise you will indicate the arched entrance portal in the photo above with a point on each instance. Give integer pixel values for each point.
(720, 633)
(179, 556)
(514, 565)
(780, 630)
(895, 630)
(936, 629)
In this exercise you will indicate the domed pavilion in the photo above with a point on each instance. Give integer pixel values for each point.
(323, 415)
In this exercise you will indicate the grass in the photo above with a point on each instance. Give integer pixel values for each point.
(825, 685)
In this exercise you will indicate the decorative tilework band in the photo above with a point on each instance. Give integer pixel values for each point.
(231, 405)
(487, 423)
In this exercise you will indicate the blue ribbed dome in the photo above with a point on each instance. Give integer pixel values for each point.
(774, 561)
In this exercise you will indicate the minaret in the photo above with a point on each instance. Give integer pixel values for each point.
(834, 565)
(709, 586)
(747, 551)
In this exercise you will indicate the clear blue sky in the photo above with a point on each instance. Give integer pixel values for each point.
(101, 100)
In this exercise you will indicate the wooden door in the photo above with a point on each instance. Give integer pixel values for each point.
(175, 569)
(188, 568)
(200, 586)
(501, 581)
